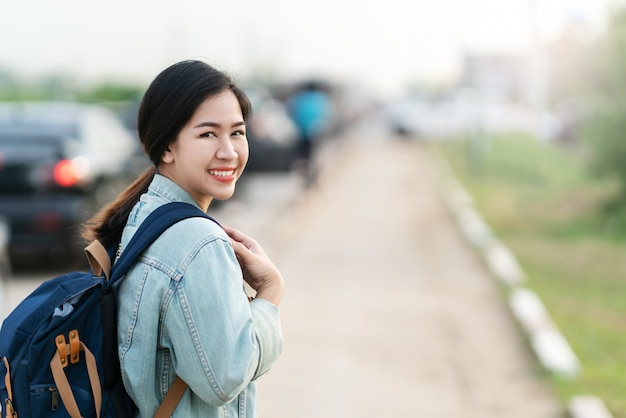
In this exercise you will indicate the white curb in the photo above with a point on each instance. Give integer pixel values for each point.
(457, 196)
(472, 226)
(503, 264)
(588, 407)
(548, 343)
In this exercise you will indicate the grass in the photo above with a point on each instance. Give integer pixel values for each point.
(543, 203)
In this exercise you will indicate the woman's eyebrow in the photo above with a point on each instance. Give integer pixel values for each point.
(217, 125)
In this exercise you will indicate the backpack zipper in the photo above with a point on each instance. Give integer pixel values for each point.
(55, 397)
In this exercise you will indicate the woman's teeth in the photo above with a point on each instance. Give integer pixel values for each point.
(221, 173)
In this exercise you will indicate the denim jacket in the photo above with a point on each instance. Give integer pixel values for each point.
(183, 311)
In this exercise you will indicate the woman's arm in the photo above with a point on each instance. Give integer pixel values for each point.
(219, 341)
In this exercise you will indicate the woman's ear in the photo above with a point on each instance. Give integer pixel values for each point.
(168, 156)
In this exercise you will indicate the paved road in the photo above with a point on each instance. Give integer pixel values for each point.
(387, 313)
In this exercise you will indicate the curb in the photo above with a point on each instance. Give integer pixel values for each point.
(588, 407)
(549, 345)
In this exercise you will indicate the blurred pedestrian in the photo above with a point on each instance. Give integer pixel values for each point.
(311, 109)
(183, 308)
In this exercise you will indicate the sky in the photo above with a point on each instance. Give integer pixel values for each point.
(383, 44)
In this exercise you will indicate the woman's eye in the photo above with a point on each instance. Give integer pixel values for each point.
(239, 133)
(207, 135)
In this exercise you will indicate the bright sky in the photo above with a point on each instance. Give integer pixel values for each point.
(383, 44)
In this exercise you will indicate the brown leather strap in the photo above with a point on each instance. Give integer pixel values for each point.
(98, 258)
(60, 379)
(9, 411)
(171, 399)
(75, 347)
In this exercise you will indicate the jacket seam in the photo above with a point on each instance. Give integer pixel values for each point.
(133, 324)
(196, 340)
(179, 290)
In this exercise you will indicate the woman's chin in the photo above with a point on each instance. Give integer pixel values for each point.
(223, 196)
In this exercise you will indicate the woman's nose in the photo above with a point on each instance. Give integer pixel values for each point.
(226, 150)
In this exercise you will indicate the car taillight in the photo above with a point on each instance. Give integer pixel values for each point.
(49, 221)
(68, 173)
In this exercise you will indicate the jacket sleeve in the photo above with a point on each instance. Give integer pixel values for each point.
(219, 341)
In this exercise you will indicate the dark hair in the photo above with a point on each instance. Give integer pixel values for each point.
(168, 104)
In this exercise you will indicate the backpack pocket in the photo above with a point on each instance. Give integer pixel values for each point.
(45, 401)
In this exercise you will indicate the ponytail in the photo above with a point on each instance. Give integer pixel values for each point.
(107, 225)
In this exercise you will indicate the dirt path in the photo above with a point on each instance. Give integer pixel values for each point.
(388, 312)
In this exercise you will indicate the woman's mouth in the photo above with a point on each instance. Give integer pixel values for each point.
(224, 175)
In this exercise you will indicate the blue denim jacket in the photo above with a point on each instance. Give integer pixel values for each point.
(183, 312)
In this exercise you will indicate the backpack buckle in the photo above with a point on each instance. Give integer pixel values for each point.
(74, 347)
(62, 350)
(9, 409)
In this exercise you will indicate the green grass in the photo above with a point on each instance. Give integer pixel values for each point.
(543, 203)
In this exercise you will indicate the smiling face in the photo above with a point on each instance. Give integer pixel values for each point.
(210, 152)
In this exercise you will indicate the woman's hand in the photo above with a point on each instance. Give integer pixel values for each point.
(258, 270)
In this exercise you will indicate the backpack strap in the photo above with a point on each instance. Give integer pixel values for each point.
(150, 229)
(8, 406)
(173, 396)
(155, 224)
(62, 357)
(99, 259)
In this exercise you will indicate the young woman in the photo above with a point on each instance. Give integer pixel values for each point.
(183, 310)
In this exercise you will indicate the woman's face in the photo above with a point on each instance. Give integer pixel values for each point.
(210, 152)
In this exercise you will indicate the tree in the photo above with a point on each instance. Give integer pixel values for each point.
(604, 124)
(111, 92)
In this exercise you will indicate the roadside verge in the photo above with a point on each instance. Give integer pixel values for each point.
(549, 345)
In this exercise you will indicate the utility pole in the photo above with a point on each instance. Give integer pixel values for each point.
(538, 97)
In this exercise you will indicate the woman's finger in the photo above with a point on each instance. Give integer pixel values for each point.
(234, 233)
(238, 236)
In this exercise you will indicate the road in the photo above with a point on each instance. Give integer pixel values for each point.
(387, 311)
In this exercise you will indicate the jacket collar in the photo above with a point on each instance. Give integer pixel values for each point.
(169, 190)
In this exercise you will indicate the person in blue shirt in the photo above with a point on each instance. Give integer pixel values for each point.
(183, 308)
(311, 108)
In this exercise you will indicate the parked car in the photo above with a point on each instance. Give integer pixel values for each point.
(272, 134)
(59, 163)
(5, 262)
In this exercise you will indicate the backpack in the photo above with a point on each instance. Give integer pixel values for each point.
(58, 348)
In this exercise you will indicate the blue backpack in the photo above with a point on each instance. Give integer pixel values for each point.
(58, 348)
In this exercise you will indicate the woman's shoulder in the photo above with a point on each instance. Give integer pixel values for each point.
(194, 231)
(189, 242)
(195, 225)
(182, 237)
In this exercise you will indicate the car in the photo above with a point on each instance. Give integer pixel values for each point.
(272, 134)
(59, 163)
(5, 262)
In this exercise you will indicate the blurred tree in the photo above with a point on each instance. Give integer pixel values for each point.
(111, 92)
(7, 81)
(604, 122)
(62, 87)
(570, 67)
(52, 87)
